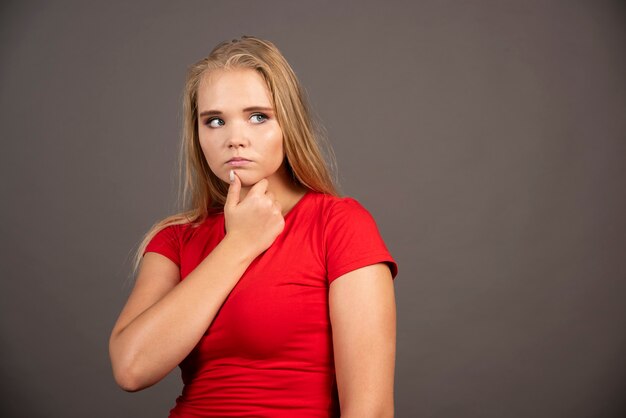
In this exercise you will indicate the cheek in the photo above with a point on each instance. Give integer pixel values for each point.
(209, 153)
(275, 143)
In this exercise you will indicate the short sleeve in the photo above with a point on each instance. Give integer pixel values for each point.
(167, 243)
(352, 240)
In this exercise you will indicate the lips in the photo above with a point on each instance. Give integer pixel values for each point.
(238, 162)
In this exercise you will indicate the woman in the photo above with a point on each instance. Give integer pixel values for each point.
(273, 294)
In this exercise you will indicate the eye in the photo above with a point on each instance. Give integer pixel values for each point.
(258, 117)
(210, 123)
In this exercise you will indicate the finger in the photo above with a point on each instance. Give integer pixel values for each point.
(232, 198)
(260, 187)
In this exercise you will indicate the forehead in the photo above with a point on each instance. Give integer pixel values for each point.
(232, 89)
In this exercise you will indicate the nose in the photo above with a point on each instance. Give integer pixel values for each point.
(237, 136)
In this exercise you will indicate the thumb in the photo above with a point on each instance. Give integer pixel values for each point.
(232, 198)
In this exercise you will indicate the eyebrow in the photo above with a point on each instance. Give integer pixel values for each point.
(247, 109)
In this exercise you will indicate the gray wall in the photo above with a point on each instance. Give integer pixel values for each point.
(487, 138)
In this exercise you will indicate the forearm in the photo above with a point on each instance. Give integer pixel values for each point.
(157, 340)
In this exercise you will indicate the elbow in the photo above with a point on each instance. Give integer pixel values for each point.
(126, 375)
(127, 379)
(131, 381)
(127, 383)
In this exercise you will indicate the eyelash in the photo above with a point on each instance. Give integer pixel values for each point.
(208, 121)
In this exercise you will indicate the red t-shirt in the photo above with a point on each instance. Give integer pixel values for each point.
(269, 352)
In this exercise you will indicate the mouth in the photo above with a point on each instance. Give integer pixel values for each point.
(237, 162)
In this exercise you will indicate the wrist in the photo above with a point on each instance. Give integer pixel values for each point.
(239, 248)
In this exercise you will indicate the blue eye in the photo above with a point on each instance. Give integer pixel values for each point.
(212, 125)
(259, 115)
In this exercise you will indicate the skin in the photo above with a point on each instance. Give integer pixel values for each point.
(362, 311)
(164, 318)
(362, 302)
(236, 132)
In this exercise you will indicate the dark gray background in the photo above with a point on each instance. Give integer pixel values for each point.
(487, 138)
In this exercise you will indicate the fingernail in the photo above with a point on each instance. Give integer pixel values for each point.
(232, 176)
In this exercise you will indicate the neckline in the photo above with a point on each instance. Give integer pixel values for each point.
(298, 203)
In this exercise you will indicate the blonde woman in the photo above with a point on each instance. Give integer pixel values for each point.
(272, 294)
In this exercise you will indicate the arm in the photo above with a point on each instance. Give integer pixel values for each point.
(164, 318)
(363, 319)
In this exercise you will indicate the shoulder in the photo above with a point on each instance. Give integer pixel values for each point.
(174, 230)
(339, 213)
(347, 203)
(333, 206)
(347, 209)
(352, 239)
(171, 230)
(345, 215)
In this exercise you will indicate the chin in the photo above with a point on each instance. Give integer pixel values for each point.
(247, 179)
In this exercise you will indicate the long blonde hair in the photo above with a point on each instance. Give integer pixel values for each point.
(202, 191)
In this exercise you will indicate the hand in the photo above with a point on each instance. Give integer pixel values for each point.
(257, 219)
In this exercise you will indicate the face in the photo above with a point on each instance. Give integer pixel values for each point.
(236, 119)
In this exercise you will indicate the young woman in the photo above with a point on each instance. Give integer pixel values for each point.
(272, 293)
